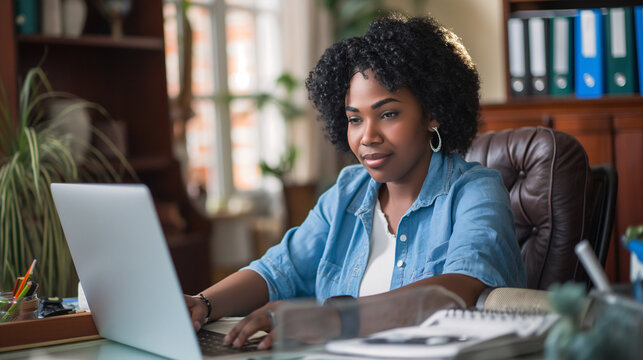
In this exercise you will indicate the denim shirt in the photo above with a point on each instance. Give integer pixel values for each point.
(461, 223)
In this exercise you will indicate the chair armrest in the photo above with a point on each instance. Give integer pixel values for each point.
(514, 299)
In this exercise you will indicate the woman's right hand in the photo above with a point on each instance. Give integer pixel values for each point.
(257, 320)
(198, 311)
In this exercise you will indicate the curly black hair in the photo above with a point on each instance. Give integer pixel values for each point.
(416, 53)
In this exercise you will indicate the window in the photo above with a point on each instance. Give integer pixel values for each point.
(236, 48)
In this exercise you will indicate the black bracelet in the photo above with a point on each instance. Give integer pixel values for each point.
(207, 303)
(348, 309)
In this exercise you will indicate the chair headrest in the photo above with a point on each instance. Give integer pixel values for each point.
(547, 175)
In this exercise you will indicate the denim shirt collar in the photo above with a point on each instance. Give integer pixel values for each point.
(436, 183)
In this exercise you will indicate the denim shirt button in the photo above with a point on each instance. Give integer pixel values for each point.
(403, 238)
(400, 263)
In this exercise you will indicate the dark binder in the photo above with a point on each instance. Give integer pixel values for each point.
(619, 51)
(27, 16)
(561, 56)
(518, 43)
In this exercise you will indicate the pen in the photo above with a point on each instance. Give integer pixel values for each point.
(591, 265)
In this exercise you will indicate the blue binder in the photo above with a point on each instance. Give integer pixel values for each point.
(638, 28)
(588, 53)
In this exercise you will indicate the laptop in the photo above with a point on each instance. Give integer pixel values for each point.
(124, 264)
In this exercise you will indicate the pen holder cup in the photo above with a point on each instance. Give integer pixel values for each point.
(18, 309)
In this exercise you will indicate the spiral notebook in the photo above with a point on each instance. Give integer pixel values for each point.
(456, 333)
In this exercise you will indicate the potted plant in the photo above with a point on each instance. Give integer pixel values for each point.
(34, 153)
(633, 241)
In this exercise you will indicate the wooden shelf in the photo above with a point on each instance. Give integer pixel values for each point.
(572, 102)
(127, 42)
(127, 76)
(522, 5)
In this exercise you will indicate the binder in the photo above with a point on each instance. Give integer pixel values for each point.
(519, 78)
(561, 56)
(588, 54)
(51, 21)
(26, 16)
(619, 51)
(538, 31)
(638, 22)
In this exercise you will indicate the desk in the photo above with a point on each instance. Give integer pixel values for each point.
(106, 349)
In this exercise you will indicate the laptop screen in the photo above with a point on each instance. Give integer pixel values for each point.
(124, 265)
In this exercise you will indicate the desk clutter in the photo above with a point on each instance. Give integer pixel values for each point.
(588, 53)
(467, 334)
(22, 302)
(603, 325)
(577, 326)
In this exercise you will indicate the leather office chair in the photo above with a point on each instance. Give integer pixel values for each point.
(602, 203)
(548, 177)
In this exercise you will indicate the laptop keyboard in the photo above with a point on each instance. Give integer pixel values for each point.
(212, 344)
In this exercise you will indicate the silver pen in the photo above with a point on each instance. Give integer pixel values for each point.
(592, 266)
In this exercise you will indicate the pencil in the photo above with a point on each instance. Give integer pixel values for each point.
(16, 302)
(17, 285)
(27, 275)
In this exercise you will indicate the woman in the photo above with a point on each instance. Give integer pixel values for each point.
(403, 99)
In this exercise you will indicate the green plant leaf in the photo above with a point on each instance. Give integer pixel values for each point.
(37, 154)
(32, 141)
(34, 80)
(288, 81)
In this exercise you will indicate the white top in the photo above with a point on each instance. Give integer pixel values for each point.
(381, 259)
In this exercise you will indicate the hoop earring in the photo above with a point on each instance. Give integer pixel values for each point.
(439, 147)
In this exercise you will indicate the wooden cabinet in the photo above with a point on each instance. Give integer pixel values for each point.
(609, 128)
(127, 76)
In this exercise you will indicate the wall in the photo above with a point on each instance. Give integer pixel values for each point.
(479, 25)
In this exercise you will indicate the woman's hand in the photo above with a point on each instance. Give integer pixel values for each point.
(256, 321)
(198, 311)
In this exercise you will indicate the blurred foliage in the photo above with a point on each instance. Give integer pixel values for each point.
(282, 97)
(352, 17)
(633, 232)
(285, 103)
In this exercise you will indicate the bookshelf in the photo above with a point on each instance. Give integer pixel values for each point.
(127, 76)
(610, 128)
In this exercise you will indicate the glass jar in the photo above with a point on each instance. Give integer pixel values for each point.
(12, 309)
